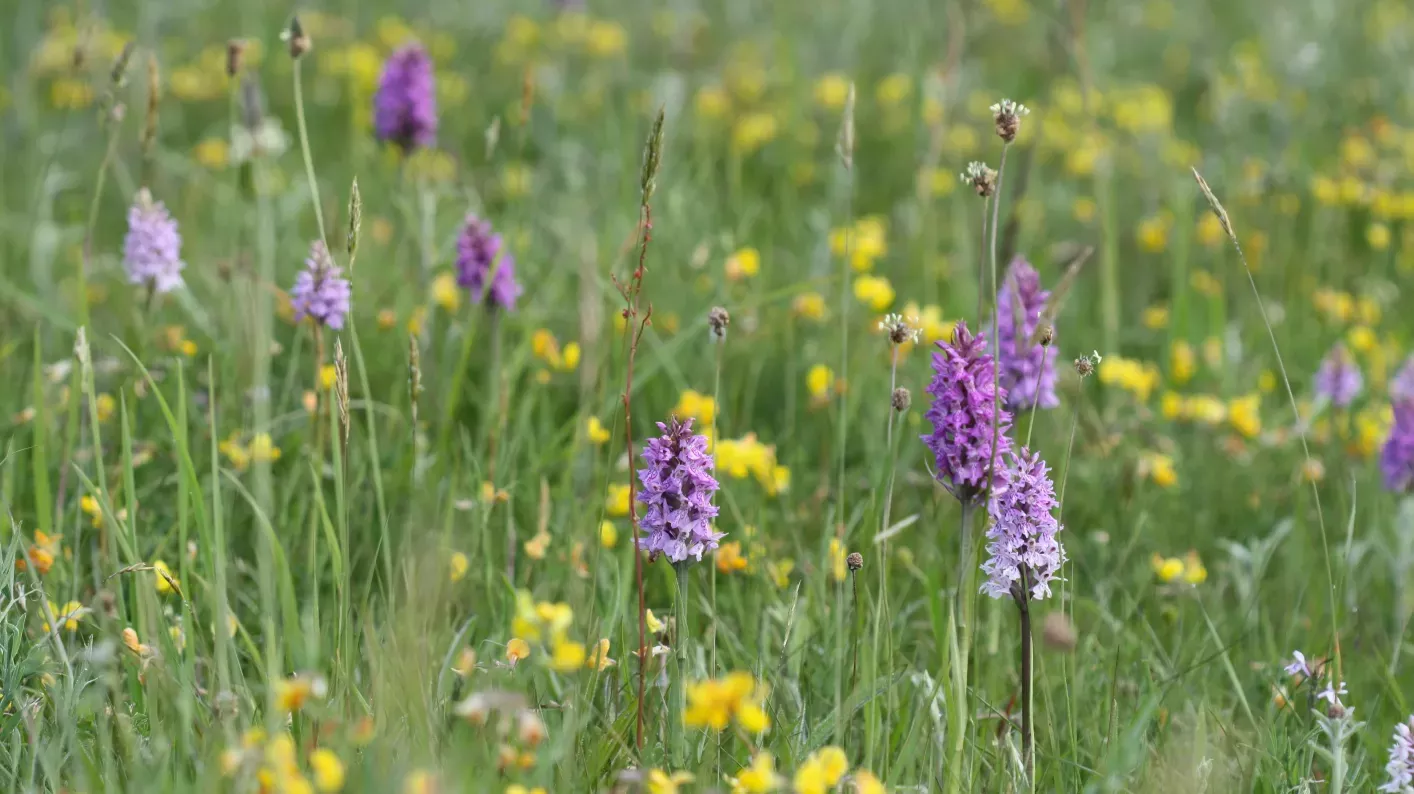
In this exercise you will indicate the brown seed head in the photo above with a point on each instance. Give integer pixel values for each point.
(981, 178)
(901, 399)
(297, 39)
(235, 56)
(855, 561)
(1007, 114)
(717, 321)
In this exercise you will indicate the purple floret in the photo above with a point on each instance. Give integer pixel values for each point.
(1025, 556)
(152, 249)
(320, 291)
(1339, 381)
(1400, 767)
(1397, 456)
(1401, 386)
(405, 105)
(677, 489)
(1027, 373)
(962, 415)
(479, 249)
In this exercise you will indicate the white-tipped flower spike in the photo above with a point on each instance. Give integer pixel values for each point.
(899, 329)
(981, 178)
(1007, 116)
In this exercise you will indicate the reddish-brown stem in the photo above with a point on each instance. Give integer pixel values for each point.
(631, 292)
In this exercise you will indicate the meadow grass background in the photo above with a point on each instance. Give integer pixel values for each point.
(1198, 556)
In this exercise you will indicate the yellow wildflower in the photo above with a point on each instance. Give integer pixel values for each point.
(810, 305)
(595, 430)
(714, 703)
(694, 405)
(831, 90)
(874, 291)
(712, 102)
(652, 623)
(821, 771)
(729, 559)
(1362, 339)
(1156, 317)
(105, 405)
(1158, 468)
(1083, 209)
(617, 504)
(446, 293)
(536, 547)
(459, 565)
(599, 657)
(838, 567)
(212, 153)
(778, 571)
(1206, 408)
(68, 617)
(820, 380)
(420, 781)
(328, 770)
(262, 449)
(893, 89)
(754, 130)
(1138, 378)
(517, 649)
(660, 782)
(605, 39)
(866, 783)
(164, 580)
(566, 656)
(1244, 413)
(291, 694)
(1153, 233)
(1210, 230)
(744, 263)
(1378, 236)
(327, 375)
(759, 778)
(1166, 568)
(1193, 570)
(1182, 362)
(1204, 283)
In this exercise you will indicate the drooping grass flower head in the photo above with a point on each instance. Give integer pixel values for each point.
(152, 249)
(1025, 556)
(1027, 373)
(677, 488)
(405, 104)
(1401, 760)
(320, 290)
(479, 251)
(962, 414)
(1397, 456)
(1339, 380)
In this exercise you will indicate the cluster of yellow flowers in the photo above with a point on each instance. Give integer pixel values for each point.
(546, 347)
(547, 624)
(1158, 468)
(1242, 413)
(701, 407)
(716, 702)
(573, 32)
(745, 457)
(1138, 378)
(261, 449)
(742, 264)
(277, 767)
(1189, 569)
(864, 243)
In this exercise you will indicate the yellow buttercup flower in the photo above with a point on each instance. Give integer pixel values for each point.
(714, 703)
(446, 293)
(831, 90)
(516, 650)
(694, 405)
(660, 782)
(743, 264)
(838, 562)
(1138, 378)
(820, 380)
(866, 783)
(566, 656)
(164, 580)
(810, 305)
(729, 559)
(1156, 317)
(1183, 363)
(821, 771)
(617, 504)
(712, 102)
(328, 770)
(458, 564)
(68, 616)
(1166, 568)
(874, 291)
(1153, 233)
(608, 534)
(212, 153)
(754, 130)
(1244, 413)
(759, 778)
(1158, 468)
(595, 430)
